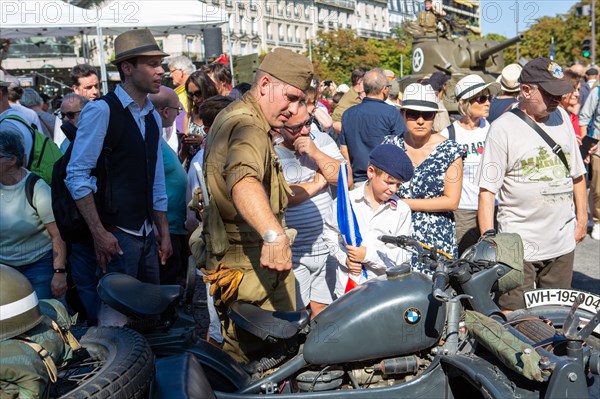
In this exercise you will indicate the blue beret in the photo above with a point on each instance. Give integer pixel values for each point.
(393, 160)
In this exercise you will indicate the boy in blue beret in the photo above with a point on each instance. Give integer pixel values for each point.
(379, 211)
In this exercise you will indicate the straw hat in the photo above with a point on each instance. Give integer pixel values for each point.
(420, 98)
(135, 43)
(509, 79)
(471, 85)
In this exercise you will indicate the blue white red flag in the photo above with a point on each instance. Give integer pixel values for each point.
(347, 223)
(552, 50)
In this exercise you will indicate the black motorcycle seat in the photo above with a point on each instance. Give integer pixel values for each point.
(180, 376)
(264, 323)
(131, 297)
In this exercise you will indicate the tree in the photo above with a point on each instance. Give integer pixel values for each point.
(337, 53)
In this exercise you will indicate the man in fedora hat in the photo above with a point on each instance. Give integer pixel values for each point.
(249, 196)
(509, 85)
(541, 191)
(122, 234)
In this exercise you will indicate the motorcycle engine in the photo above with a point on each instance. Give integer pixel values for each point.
(386, 373)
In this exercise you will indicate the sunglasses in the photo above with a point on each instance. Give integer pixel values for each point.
(70, 114)
(298, 128)
(482, 99)
(413, 115)
(179, 109)
(197, 94)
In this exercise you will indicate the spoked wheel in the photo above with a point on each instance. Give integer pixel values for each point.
(113, 362)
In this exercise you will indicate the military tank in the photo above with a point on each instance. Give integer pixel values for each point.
(457, 56)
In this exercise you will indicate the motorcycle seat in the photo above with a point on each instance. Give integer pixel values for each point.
(264, 323)
(128, 295)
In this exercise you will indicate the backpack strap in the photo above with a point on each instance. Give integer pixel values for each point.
(30, 182)
(451, 132)
(14, 117)
(556, 149)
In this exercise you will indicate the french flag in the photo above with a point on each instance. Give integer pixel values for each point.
(348, 224)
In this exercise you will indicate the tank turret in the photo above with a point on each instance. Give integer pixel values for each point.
(458, 57)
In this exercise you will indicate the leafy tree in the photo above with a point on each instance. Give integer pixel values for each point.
(336, 53)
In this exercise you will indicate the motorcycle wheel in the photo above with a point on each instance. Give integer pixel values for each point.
(557, 314)
(113, 362)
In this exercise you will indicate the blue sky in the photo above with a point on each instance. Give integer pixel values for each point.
(499, 16)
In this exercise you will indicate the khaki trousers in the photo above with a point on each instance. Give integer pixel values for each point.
(259, 286)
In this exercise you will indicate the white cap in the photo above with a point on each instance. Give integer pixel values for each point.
(343, 88)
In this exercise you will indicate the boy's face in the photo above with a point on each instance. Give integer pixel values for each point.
(383, 185)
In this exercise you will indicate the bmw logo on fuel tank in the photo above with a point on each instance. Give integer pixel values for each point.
(412, 315)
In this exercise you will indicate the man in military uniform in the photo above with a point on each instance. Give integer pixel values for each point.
(428, 18)
(249, 256)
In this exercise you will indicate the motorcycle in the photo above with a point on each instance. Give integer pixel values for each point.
(404, 334)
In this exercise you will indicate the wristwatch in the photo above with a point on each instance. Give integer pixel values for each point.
(271, 235)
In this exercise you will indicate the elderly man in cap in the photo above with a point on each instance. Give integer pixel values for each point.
(249, 256)
(122, 234)
(541, 190)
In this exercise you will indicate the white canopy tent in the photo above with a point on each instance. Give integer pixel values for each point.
(27, 18)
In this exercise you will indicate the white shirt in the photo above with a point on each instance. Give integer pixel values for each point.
(473, 144)
(392, 218)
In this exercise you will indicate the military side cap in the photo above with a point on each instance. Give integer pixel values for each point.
(392, 160)
(291, 68)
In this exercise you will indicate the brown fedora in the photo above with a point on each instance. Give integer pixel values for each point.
(135, 43)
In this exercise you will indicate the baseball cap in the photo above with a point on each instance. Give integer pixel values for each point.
(548, 75)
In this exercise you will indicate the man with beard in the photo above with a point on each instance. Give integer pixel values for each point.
(122, 233)
(539, 196)
(249, 257)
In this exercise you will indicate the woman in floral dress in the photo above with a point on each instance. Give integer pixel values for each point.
(434, 191)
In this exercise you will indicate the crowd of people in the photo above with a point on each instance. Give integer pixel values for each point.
(242, 181)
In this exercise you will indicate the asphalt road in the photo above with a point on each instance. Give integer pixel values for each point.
(586, 271)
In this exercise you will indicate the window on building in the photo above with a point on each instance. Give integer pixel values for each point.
(297, 34)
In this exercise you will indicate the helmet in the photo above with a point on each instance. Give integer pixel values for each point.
(19, 308)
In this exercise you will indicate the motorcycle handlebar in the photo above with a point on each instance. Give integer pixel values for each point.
(401, 241)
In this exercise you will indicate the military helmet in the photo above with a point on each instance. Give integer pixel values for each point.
(19, 307)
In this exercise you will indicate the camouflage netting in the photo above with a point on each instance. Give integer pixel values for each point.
(512, 352)
(509, 251)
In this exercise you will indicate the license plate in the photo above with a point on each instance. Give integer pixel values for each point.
(564, 297)
(560, 296)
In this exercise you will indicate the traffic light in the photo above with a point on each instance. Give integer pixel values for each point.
(586, 48)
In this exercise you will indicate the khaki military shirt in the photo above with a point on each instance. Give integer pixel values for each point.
(348, 100)
(240, 146)
(428, 21)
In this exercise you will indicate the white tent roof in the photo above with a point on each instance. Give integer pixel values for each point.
(26, 18)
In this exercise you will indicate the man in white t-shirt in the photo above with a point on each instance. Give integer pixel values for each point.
(538, 197)
(310, 162)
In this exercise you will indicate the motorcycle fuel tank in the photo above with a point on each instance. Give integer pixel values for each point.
(384, 317)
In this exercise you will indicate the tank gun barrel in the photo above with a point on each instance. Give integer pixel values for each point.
(482, 55)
